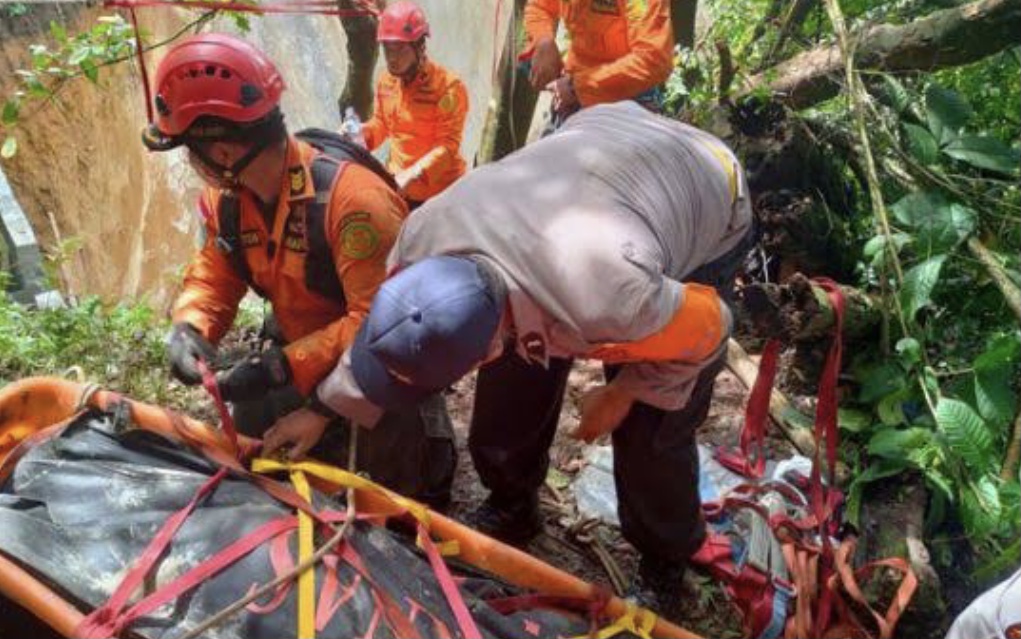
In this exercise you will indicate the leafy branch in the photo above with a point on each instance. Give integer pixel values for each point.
(112, 40)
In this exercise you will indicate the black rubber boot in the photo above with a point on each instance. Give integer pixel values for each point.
(514, 522)
(658, 586)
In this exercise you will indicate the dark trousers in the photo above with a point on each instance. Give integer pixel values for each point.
(655, 456)
(517, 408)
(411, 452)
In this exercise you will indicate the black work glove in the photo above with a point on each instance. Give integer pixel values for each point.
(255, 375)
(185, 348)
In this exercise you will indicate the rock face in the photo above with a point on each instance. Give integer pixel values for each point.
(122, 219)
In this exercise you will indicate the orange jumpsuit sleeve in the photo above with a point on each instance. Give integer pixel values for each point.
(364, 218)
(541, 17)
(694, 332)
(375, 130)
(647, 64)
(449, 129)
(212, 289)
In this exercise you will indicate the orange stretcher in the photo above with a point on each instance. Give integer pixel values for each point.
(31, 406)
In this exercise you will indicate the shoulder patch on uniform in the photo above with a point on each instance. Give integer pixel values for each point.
(359, 239)
(449, 101)
(297, 180)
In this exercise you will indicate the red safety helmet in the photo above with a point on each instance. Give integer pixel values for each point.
(402, 22)
(212, 75)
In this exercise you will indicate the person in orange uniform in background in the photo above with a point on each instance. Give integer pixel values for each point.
(420, 106)
(307, 232)
(619, 50)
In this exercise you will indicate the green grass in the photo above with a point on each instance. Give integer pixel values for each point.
(120, 347)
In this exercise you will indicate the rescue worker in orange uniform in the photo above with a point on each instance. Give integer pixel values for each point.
(619, 50)
(307, 231)
(420, 106)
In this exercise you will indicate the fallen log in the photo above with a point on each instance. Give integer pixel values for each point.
(800, 310)
(947, 38)
(892, 524)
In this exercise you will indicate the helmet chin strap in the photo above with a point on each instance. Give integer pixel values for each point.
(230, 175)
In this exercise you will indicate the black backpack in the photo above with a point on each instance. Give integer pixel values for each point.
(320, 269)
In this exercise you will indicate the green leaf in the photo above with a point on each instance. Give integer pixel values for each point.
(879, 470)
(9, 148)
(980, 506)
(938, 222)
(999, 565)
(941, 483)
(921, 144)
(966, 434)
(896, 95)
(90, 70)
(879, 380)
(947, 112)
(894, 443)
(77, 56)
(985, 152)
(877, 244)
(58, 31)
(557, 479)
(910, 351)
(995, 369)
(853, 420)
(36, 88)
(919, 282)
(995, 397)
(10, 112)
(890, 409)
(1002, 351)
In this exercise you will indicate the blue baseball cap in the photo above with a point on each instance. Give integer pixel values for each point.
(429, 325)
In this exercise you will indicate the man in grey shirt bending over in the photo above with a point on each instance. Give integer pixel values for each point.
(615, 239)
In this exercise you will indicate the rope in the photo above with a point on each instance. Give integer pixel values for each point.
(88, 392)
(315, 7)
(139, 51)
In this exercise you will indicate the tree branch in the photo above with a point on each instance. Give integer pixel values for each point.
(946, 38)
(1010, 291)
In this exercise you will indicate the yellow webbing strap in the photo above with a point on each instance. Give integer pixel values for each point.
(635, 620)
(306, 546)
(346, 479)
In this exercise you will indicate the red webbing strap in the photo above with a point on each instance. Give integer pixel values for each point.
(400, 624)
(103, 621)
(826, 435)
(205, 570)
(464, 619)
(593, 607)
(226, 420)
(750, 459)
(826, 407)
(318, 7)
(849, 578)
(139, 51)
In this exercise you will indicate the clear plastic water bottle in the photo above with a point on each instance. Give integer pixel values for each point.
(351, 127)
